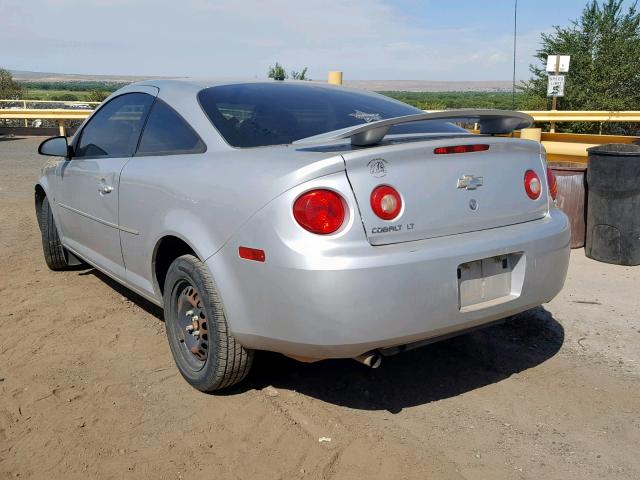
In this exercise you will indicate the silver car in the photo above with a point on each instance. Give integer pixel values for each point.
(306, 219)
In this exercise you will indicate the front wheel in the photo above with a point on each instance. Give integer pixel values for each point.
(206, 353)
(52, 248)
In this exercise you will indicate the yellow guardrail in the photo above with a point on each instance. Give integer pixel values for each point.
(570, 147)
(584, 116)
(24, 102)
(59, 114)
(559, 146)
(45, 113)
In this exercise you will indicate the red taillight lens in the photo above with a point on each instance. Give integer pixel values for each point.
(461, 149)
(553, 183)
(532, 184)
(386, 202)
(319, 211)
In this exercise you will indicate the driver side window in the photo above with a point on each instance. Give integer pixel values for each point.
(114, 130)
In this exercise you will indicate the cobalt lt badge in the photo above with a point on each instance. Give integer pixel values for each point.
(378, 167)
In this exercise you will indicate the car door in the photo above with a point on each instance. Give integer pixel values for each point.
(89, 180)
(154, 186)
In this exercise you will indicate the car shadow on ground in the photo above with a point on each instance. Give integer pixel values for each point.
(434, 372)
(143, 303)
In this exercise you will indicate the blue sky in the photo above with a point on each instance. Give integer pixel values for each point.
(367, 39)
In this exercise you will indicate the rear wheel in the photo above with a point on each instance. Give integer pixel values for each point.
(52, 248)
(204, 350)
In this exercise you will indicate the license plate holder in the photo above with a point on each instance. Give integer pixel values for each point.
(486, 281)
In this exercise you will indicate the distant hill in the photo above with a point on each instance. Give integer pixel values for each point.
(374, 85)
(26, 76)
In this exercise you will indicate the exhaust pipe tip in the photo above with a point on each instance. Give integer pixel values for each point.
(370, 359)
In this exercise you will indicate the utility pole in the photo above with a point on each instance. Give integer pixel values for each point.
(515, 31)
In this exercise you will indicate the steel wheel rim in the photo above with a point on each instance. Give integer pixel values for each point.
(191, 326)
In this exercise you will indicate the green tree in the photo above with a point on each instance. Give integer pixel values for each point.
(604, 44)
(432, 105)
(301, 75)
(97, 96)
(277, 72)
(9, 89)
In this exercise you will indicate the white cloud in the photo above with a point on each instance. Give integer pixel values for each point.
(367, 39)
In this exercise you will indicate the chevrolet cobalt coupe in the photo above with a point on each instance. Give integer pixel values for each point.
(302, 218)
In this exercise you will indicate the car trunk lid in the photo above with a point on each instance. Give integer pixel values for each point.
(449, 193)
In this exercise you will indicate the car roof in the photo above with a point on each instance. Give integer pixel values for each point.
(214, 82)
(197, 84)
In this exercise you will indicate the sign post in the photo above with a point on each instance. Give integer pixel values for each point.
(555, 86)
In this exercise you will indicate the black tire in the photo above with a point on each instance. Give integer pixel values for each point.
(52, 248)
(219, 360)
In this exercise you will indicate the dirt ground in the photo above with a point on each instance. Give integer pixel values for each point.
(88, 388)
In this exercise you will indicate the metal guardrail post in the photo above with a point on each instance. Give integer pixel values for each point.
(335, 77)
(63, 132)
(531, 134)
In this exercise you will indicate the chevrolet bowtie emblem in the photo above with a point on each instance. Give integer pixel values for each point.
(470, 182)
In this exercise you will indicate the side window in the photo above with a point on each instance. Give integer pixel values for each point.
(167, 133)
(115, 128)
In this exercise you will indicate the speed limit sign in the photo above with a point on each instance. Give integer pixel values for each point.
(555, 87)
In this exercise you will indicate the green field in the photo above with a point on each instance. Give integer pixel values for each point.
(67, 95)
(67, 91)
(449, 100)
(85, 91)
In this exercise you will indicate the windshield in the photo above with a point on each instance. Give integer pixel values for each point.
(275, 113)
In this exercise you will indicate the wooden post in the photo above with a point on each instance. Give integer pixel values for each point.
(24, 105)
(335, 77)
(63, 132)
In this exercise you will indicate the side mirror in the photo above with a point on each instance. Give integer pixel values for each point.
(55, 147)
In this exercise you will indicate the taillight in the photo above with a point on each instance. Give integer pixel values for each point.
(532, 184)
(319, 211)
(553, 183)
(386, 202)
(461, 149)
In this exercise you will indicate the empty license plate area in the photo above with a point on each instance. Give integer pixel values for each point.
(490, 281)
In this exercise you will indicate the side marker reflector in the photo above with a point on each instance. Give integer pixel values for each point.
(251, 254)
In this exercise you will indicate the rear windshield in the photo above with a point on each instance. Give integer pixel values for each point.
(260, 114)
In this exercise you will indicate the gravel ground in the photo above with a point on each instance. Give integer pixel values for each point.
(88, 388)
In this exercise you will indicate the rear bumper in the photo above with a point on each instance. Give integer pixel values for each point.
(325, 306)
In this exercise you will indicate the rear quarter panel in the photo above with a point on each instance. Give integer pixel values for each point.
(202, 198)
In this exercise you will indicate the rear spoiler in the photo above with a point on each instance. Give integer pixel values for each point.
(492, 122)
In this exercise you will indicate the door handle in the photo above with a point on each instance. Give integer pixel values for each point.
(104, 189)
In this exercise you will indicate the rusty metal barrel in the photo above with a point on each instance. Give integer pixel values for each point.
(571, 197)
(613, 213)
